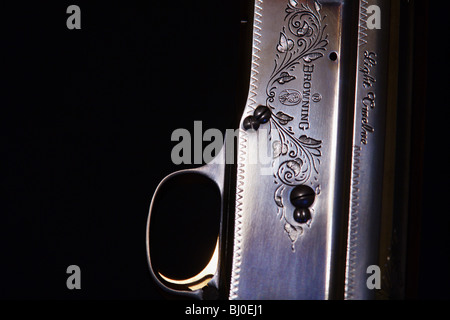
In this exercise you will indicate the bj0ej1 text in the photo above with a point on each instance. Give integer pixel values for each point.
(242, 309)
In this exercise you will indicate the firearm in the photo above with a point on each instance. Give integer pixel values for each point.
(329, 102)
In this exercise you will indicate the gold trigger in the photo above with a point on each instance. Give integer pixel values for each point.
(200, 280)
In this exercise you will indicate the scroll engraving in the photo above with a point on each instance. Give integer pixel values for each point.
(302, 40)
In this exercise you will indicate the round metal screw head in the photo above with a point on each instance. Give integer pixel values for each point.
(302, 196)
(263, 114)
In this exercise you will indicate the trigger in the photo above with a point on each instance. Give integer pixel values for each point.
(200, 280)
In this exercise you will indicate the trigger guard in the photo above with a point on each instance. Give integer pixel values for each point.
(202, 278)
(209, 276)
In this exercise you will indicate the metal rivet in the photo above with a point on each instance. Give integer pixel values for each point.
(302, 215)
(251, 123)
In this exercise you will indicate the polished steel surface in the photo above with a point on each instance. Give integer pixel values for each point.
(299, 70)
(368, 151)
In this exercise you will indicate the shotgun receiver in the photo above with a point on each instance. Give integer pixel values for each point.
(317, 219)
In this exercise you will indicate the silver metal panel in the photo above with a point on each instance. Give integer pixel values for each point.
(306, 88)
(368, 150)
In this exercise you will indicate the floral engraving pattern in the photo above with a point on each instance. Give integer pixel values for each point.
(302, 39)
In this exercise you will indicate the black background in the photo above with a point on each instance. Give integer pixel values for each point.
(86, 123)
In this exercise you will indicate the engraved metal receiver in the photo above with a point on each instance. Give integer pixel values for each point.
(322, 101)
